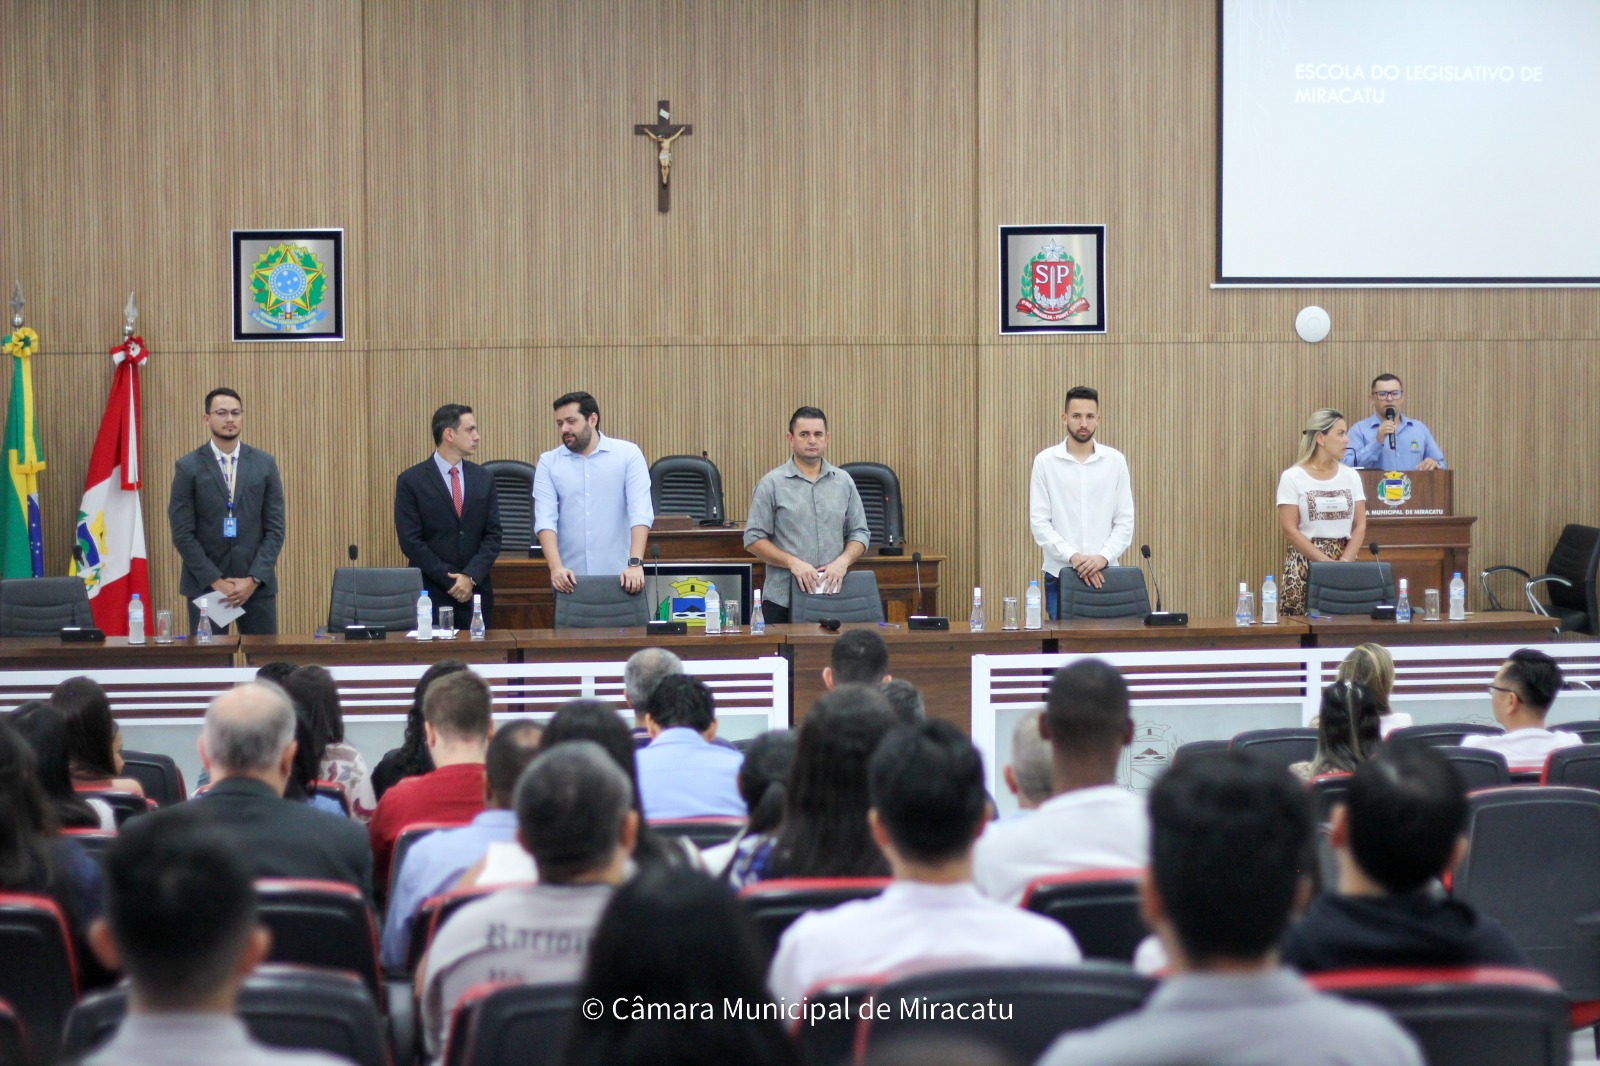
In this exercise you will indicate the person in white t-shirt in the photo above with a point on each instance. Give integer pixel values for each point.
(1521, 695)
(1321, 506)
(1090, 822)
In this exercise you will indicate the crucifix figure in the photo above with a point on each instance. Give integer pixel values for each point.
(663, 133)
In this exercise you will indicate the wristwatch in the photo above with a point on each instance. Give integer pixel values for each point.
(635, 562)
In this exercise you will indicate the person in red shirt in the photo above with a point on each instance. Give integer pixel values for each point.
(458, 726)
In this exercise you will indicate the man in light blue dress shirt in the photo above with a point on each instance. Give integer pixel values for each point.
(591, 500)
(682, 773)
(1398, 443)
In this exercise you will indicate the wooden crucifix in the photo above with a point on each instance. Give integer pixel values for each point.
(663, 133)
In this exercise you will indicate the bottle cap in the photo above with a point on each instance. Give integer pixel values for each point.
(135, 595)
(1403, 585)
(977, 593)
(1455, 575)
(1244, 586)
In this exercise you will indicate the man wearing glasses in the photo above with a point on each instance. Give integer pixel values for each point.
(1389, 440)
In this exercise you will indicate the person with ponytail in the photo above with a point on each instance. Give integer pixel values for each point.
(761, 783)
(1347, 731)
(1322, 508)
(1373, 667)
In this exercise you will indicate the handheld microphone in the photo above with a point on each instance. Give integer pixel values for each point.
(1158, 617)
(656, 626)
(1389, 415)
(830, 624)
(920, 620)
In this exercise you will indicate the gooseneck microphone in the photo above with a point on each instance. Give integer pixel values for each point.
(1389, 415)
(654, 625)
(1158, 617)
(356, 630)
(1373, 548)
(916, 562)
(920, 620)
(1144, 550)
(354, 552)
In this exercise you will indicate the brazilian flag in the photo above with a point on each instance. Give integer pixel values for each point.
(21, 536)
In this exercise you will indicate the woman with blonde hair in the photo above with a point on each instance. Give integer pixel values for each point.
(1372, 667)
(1322, 509)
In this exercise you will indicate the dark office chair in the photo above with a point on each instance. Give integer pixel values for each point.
(1100, 908)
(1195, 749)
(1569, 577)
(1478, 767)
(38, 970)
(511, 1025)
(322, 923)
(701, 832)
(687, 484)
(1348, 588)
(1442, 734)
(43, 606)
(513, 484)
(1588, 729)
(124, 805)
(157, 774)
(880, 498)
(1122, 596)
(13, 1035)
(1578, 767)
(375, 596)
(1327, 791)
(856, 601)
(1282, 747)
(598, 601)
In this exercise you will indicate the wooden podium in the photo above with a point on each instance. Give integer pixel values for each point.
(1411, 516)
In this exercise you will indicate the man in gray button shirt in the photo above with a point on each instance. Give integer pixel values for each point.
(806, 521)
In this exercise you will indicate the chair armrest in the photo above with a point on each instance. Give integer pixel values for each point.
(1527, 590)
(1544, 578)
(1488, 593)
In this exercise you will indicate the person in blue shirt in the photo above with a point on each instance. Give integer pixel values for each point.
(682, 773)
(1391, 443)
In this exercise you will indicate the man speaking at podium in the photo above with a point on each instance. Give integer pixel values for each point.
(1389, 440)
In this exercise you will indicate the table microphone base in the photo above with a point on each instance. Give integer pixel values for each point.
(1167, 618)
(663, 629)
(365, 633)
(928, 621)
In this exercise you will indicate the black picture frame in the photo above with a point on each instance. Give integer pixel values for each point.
(1010, 279)
(323, 316)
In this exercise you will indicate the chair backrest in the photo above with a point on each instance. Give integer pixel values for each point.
(856, 601)
(43, 606)
(403, 843)
(512, 1025)
(1579, 767)
(297, 1007)
(1279, 746)
(1478, 767)
(159, 775)
(124, 805)
(513, 484)
(1348, 588)
(331, 790)
(38, 970)
(1466, 1017)
(879, 487)
(1575, 557)
(774, 905)
(598, 601)
(1327, 792)
(1533, 863)
(1197, 748)
(1588, 729)
(375, 596)
(13, 1035)
(322, 923)
(1443, 734)
(701, 832)
(1045, 1002)
(433, 913)
(1122, 596)
(94, 843)
(1100, 908)
(687, 484)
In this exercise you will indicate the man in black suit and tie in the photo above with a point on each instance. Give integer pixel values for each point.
(227, 519)
(447, 516)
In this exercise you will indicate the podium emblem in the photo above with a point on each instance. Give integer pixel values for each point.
(1395, 488)
(687, 602)
(1148, 757)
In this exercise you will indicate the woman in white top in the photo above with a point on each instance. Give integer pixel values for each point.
(1372, 666)
(1321, 506)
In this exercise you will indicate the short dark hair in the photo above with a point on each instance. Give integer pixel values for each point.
(571, 802)
(224, 391)
(682, 700)
(1386, 376)
(1230, 837)
(1081, 392)
(275, 672)
(1406, 809)
(1087, 707)
(448, 417)
(514, 746)
(807, 412)
(91, 728)
(586, 405)
(905, 700)
(458, 706)
(859, 657)
(1537, 677)
(181, 903)
(926, 783)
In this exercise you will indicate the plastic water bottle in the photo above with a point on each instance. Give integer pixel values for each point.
(1458, 598)
(1402, 607)
(136, 620)
(202, 632)
(478, 628)
(713, 610)
(424, 616)
(1245, 609)
(1269, 601)
(758, 621)
(975, 619)
(1033, 607)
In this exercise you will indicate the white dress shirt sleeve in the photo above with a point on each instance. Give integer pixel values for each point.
(1122, 519)
(1045, 533)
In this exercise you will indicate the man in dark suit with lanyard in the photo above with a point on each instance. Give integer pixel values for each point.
(227, 518)
(447, 516)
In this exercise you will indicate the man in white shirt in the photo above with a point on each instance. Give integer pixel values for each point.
(1090, 822)
(1521, 695)
(928, 805)
(1080, 501)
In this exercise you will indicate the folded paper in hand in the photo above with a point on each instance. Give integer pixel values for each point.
(217, 609)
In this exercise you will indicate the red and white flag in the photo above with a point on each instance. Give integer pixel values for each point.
(110, 553)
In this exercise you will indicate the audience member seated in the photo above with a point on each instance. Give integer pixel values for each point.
(1028, 774)
(681, 773)
(458, 725)
(575, 816)
(1090, 822)
(437, 861)
(1229, 840)
(1401, 828)
(859, 657)
(824, 829)
(905, 700)
(181, 920)
(927, 810)
(640, 676)
(411, 757)
(310, 741)
(1520, 697)
(313, 688)
(1373, 667)
(247, 742)
(1347, 731)
(94, 740)
(676, 939)
(761, 785)
(42, 726)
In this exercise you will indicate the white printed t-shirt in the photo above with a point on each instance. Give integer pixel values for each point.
(1327, 508)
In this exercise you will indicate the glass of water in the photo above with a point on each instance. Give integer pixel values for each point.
(730, 615)
(1008, 614)
(447, 619)
(1430, 600)
(163, 627)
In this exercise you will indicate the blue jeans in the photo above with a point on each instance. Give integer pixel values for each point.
(1052, 595)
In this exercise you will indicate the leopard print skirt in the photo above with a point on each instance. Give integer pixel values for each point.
(1292, 598)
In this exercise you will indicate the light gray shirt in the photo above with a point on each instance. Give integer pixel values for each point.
(180, 1039)
(810, 519)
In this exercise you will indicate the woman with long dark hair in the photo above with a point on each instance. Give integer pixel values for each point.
(762, 783)
(315, 689)
(1347, 730)
(94, 740)
(411, 757)
(42, 726)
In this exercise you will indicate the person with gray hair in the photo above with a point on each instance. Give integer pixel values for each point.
(646, 668)
(575, 816)
(248, 745)
(1028, 773)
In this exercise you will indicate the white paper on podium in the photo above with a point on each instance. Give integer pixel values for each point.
(218, 611)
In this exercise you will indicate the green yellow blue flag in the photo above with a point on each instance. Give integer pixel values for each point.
(21, 532)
